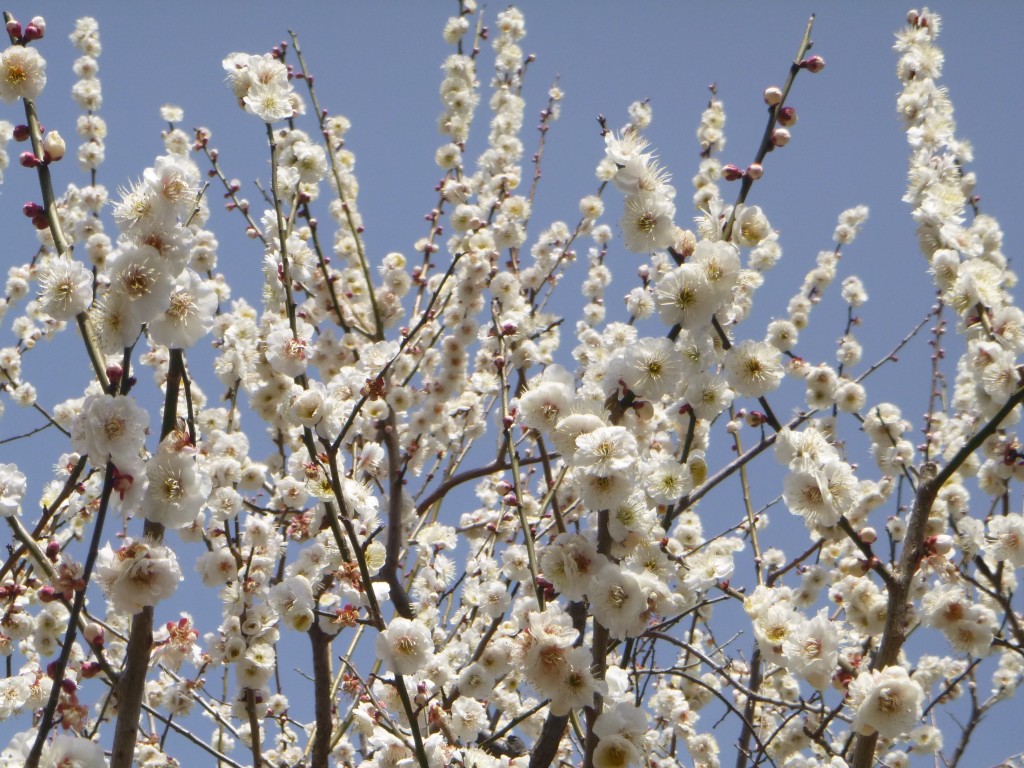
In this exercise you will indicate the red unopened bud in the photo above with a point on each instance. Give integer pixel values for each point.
(772, 95)
(731, 173)
(755, 171)
(499, 362)
(32, 209)
(53, 551)
(780, 137)
(14, 29)
(813, 64)
(21, 133)
(510, 500)
(51, 669)
(47, 594)
(89, 669)
(787, 116)
(69, 686)
(40, 222)
(32, 32)
(29, 160)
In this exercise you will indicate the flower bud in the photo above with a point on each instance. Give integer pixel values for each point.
(787, 116)
(21, 133)
(31, 210)
(40, 222)
(14, 29)
(54, 145)
(813, 64)
(28, 160)
(868, 535)
(33, 32)
(47, 594)
(89, 669)
(731, 173)
(780, 137)
(772, 95)
(755, 171)
(93, 634)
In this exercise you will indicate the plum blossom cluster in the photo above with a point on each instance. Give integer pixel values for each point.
(481, 546)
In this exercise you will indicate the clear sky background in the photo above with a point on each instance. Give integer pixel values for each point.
(378, 64)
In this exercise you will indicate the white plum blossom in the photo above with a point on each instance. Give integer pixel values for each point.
(137, 574)
(111, 428)
(22, 73)
(888, 701)
(405, 646)
(12, 489)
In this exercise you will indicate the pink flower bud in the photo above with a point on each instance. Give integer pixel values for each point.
(755, 171)
(53, 551)
(510, 500)
(813, 64)
(89, 669)
(28, 160)
(772, 95)
(787, 116)
(780, 137)
(731, 173)
(32, 32)
(21, 133)
(31, 210)
(47, 594)
(14, 29)
(94, 634)
(69, 686)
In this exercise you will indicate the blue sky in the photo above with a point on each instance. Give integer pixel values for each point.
(378, 64)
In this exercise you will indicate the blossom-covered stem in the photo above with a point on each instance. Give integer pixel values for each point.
(50, 205)
(282, 233)
(46, 721)
(322, 263)
(321, 116)
(931, 481)
(773, 116)
(406, 340)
